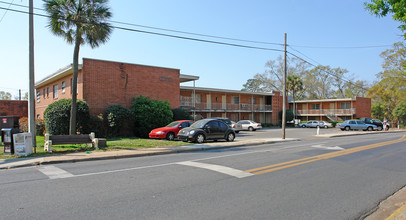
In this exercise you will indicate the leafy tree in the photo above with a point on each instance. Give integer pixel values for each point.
(252, 85)
(390, 89)
(378, 110)
(272, 78)
(79, 22)
(5, 95)
(400, 113)
(382, 8)
(150, 114)
(294, 84)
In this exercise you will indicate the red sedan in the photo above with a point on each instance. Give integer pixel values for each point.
(170, 132)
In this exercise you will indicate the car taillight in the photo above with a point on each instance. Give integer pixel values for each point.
(233, 126)
(259, 125)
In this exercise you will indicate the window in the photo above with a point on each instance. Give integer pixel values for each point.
(235, 100)
(63, 87)
(345, 105)
(48, 92)
(253, 100)
(315, 106)
(55, 91)
(38, 116)
(198, 98)
(38, 96)
(43, 93)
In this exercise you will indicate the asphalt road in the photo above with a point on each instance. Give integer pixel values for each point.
(317, 178)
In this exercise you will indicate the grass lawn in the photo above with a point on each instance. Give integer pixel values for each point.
(112, 144)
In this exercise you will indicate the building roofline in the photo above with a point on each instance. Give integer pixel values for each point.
(67, 70)
(111, 61)
(324, 100)
(187, 78)
(225, 90)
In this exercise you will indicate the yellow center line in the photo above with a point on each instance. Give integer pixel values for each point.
(284, 165)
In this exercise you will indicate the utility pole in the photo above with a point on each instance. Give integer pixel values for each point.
(285, 70)
(31, 102)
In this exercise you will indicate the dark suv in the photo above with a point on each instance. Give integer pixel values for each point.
(376, 122)
(207, 129)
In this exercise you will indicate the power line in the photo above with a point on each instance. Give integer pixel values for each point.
(176, 31)
(224, 38)
(169, 35)
(6, 11)
(329, 73)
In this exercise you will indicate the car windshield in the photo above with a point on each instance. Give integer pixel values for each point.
(173, 124)
(199, 124)
(376, 120)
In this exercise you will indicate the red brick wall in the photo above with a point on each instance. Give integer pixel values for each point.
(277, 106)
(46, 98)
(13, 108)
(362, 107)
(111, 83)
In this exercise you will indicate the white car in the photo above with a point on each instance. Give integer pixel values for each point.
(237, 127)
(324, 124)
(249, 125)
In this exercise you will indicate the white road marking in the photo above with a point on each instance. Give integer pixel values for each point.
(218, 168)
(327, 148)
(54, 172)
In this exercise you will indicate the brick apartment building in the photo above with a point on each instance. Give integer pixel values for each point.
(333, 109)
(14, 108)
(105, 83)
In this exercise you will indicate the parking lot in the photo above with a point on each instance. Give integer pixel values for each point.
(302, 133)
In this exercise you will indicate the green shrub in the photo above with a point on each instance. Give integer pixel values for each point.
(120, 121)
(181, 114)
(150, 114)
(57, 117)
(289, 115)
(97, 125)
(39, 125)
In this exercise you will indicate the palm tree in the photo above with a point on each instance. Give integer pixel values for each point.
(79, 22)
(294, 84)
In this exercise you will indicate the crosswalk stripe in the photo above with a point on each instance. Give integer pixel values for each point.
(218, 168)
(54, 172)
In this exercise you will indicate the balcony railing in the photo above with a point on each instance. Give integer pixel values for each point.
(203, 106)
(327, 112)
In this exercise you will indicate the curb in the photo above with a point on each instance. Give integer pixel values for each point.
(161, 151)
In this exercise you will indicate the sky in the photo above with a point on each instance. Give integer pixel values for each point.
(321, 30)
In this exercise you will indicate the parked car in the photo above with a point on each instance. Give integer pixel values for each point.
(376, 122)
(249, 125)
(324, 124)
(170, 131)
(355, 125)
(237, 127)
(310, 124)
(207, 129)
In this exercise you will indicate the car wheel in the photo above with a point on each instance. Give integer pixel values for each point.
(380, 128)
(369, 128)
(325, 126)
(250, 129)
(347, 128)
(230, 137)
(170, 136)
(303, 126)
(200, 138)
(387, 128)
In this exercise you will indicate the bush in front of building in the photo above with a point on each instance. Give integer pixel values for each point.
(181, 114)
(97, 125)
(120, 121)
(57, 116)
(150, 114)
(39, 125)
(289, 115)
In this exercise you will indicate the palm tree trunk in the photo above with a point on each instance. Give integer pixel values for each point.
(72, 125)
